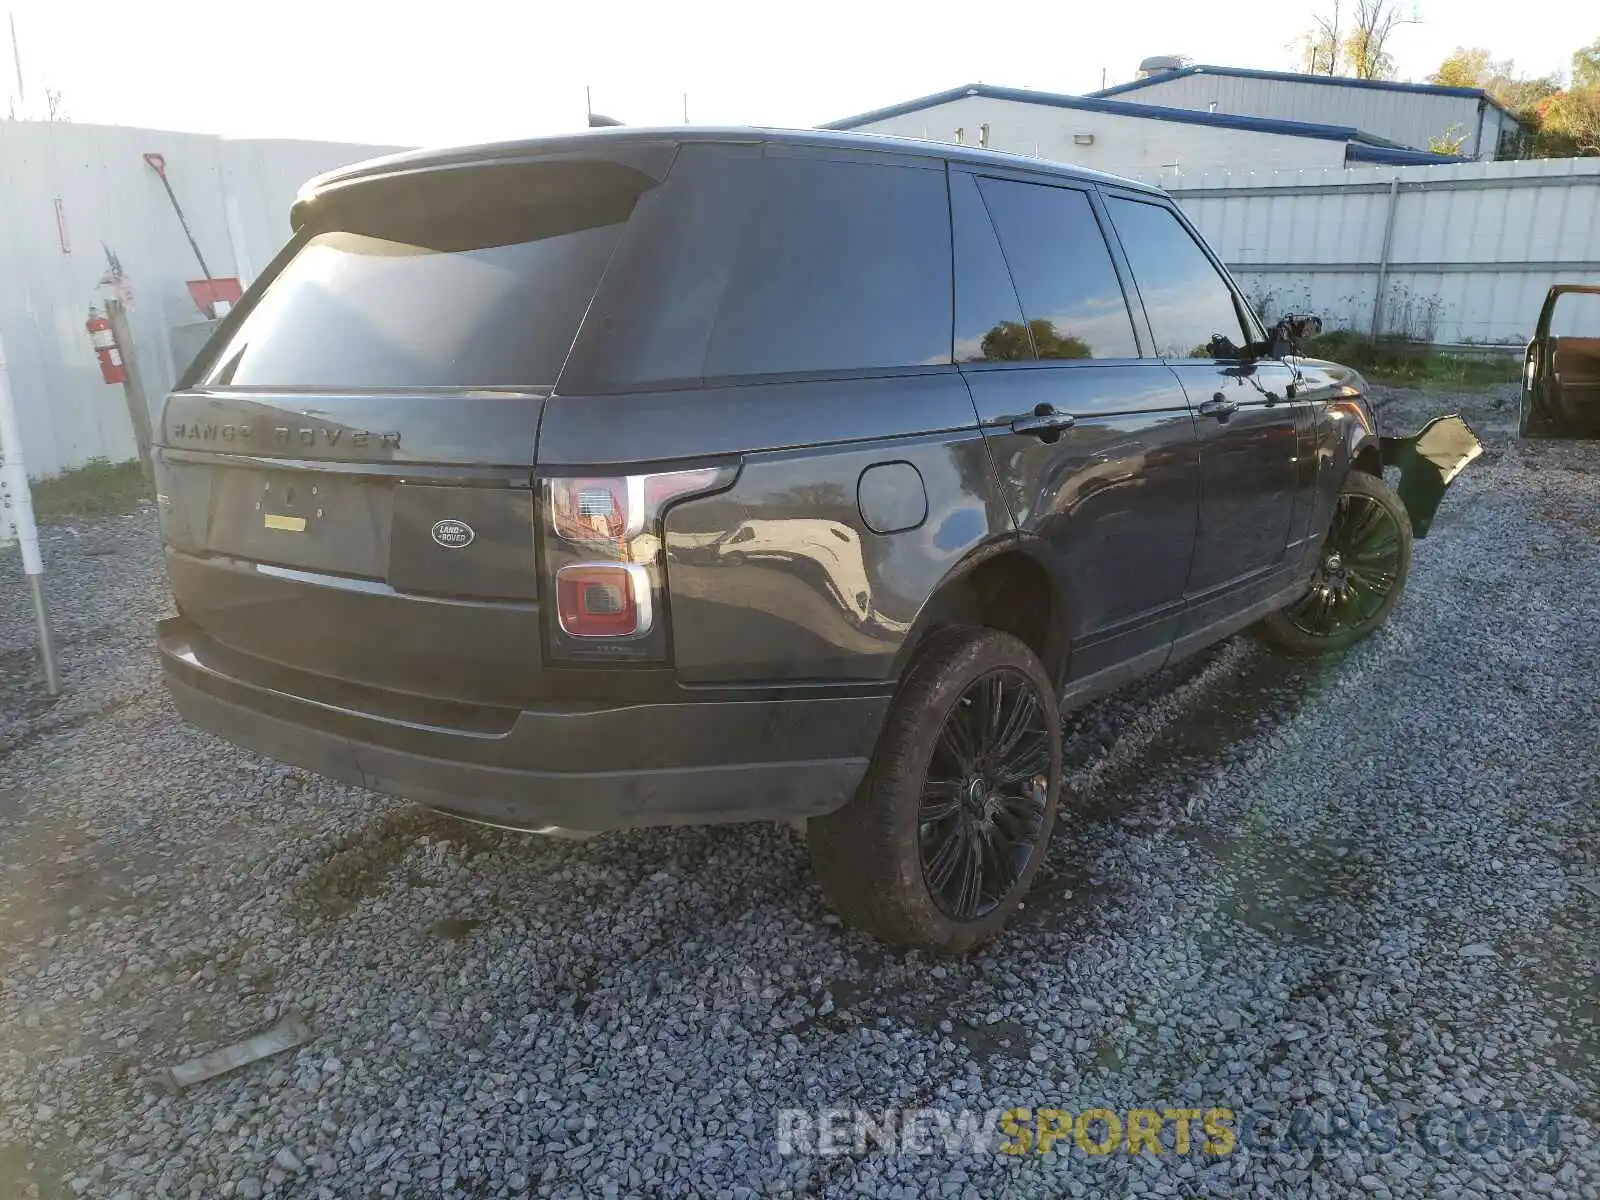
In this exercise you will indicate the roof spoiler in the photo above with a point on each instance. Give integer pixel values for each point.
(651, 156)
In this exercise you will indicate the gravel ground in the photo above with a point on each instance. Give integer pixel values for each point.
(1366, 885)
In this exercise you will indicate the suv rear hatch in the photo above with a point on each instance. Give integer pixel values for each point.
(345, 474)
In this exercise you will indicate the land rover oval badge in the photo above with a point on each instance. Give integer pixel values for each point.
(453, 534)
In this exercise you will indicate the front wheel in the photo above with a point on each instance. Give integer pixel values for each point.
(940, 843)
(1366, 559)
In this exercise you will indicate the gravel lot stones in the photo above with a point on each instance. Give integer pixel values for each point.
(1277, 889)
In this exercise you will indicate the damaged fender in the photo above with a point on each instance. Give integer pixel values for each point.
(1429, 461)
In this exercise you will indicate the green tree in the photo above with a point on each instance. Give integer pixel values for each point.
(1318, 49)
(1526, 96)
(1567, 122)
(1359, 48)
(1586, 66)
(1052, 344)
(1012, 341)
(1466, 68)
(1498, 77)
(1367, 47)
(1006, 342)
(1572, 119)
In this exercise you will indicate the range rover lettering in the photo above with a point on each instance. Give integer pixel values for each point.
(652, 477)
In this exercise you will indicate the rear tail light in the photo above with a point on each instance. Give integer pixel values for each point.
(603, 549)
(604, 600)
(609, 511)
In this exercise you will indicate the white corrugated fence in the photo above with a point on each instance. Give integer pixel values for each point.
(75, 198)
(1448, 255)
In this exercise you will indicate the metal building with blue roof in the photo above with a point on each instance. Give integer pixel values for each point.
(1201, 118)
(1411, 114)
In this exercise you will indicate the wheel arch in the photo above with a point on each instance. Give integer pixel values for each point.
(1354, 446)
(1367, 455)
(1005, 585)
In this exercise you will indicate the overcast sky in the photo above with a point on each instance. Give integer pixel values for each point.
(422, 72)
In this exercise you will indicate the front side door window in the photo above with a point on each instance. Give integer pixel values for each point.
(1245, 417)
(1190, 307)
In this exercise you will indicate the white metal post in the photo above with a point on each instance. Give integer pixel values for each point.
(16, 510)
(1383, 259)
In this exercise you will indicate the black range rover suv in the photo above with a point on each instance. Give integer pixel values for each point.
(646, 477)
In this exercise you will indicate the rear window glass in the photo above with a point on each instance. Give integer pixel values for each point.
(845, 266)
(474, 278)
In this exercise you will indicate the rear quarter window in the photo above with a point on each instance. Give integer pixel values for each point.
(843, 266)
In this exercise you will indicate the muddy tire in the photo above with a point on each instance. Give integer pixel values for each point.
(940, 843)
(1361, 575)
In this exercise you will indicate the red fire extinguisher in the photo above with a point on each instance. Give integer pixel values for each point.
(105, 347)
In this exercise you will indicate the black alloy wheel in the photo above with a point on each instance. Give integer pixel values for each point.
(1360, 573)
(1360, 567)
(985, 795)
(940, 843)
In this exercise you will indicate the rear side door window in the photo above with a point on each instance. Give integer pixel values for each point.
(1065, 280)
(1188, 303)
(845, 266)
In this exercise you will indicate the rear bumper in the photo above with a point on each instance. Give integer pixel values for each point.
(578, 767)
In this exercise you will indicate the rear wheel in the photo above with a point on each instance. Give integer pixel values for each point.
(1366, 559)
(943, 838)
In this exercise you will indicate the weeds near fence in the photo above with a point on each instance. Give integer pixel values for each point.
(1271, 304)
(1403, 356)
(1410, 315)
(98, 488)
(1411, 363)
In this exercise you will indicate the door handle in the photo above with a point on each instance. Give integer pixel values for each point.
(1047, 423)
(1219, 406)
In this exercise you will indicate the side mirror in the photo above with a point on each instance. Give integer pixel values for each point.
(1289, 332)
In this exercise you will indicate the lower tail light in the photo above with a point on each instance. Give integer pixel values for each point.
(604, 600)
(602, 543)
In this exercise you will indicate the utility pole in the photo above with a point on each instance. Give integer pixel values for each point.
(16, 57)
(16, 510)
(686, 108)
